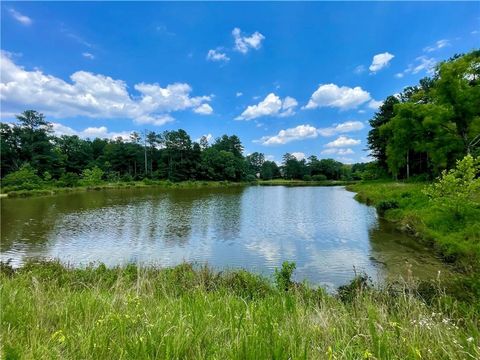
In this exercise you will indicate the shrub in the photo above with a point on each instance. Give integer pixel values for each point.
(251, 178)
(25, 178)
(283, 277)
(347, 293)
(456, 190)
(307, 178)
(319, 177)
(92, 176)
(385, 205)
(68, 179)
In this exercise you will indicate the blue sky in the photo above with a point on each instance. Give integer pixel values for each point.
(302, 78)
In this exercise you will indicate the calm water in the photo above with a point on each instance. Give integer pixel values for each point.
(323, 229)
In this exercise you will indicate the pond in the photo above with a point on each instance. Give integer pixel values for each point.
(324, 230)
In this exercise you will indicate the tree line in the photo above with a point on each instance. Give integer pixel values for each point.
(31, 151)
(427, 127)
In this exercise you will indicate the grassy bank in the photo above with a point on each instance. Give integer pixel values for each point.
(284, 182)
(49, 311)
(456, 239)
(165, 184)
(162, 184)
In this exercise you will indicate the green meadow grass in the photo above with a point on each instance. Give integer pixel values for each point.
(49, 311)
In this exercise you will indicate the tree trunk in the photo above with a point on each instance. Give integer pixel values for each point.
(408, 164)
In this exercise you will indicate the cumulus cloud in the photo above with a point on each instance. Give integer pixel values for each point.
(88, 55)
(337, 151)
(342, 97)
(272, 105)
(244, 43)
(22, 19)
(238, 94)
(437, 46)
(217, 55)
(342, 141)
(380, 61)
(299, 155)
(300, 132)
(204, 109)
(93, 95)
(90, 132)
(348, 126)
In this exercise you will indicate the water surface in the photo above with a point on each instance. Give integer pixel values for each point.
(323, 229)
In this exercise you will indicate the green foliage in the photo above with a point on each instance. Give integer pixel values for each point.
(283, 277)
(456, 238)
(319, 177)
(428, 127)
(68, 180)
(269, 170)
(458, 189)
(384, 205)
(307, 178)
(349, 292)
(25, 178)
(92, 176)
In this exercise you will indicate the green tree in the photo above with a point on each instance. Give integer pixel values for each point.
(92, 176)
(255, 162)
(457, 190)
(269, 170)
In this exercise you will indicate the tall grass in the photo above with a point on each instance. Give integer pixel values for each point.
(52, 312)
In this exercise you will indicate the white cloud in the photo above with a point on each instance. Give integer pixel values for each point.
(90, 132)
(22, 19)
(344, 97)
(300, 132)
(337, 151)
(374, 104)
(92, 95)
(342, 141)
(345, 127)
(299, 155)
(204, 109)
(422, 63)
(238, 94)
(88, 55)
(380, 61)
(157, 120)
(272, 105)
(244, 43)
(437, 46)
(216, 55)
(345, 160)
